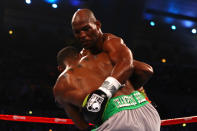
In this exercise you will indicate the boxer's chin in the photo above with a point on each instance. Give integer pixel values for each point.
(87, 44)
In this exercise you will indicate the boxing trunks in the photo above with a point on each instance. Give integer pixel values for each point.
(129, 113)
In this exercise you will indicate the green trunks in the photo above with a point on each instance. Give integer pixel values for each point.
(123, 102)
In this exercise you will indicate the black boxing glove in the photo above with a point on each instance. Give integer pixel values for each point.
(94, 104)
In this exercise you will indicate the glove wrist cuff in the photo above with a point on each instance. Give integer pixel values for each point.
(110, 86)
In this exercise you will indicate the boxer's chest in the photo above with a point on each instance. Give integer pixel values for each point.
(97, 62)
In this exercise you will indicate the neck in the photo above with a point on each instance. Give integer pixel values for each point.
(98, 46)
(72, 62)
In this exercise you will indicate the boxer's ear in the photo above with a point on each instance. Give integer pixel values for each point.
(60, 68)
(98, 24)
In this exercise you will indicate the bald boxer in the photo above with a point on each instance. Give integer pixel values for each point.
(126, 110)
(87, 29)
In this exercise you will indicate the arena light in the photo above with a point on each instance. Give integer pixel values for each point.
(194, 31)
(51, 1)
(169, 20)
(10, 32)
(152, 23)
(30, 112)
(163, 60)
(54, 5)
(173, 27)
(28, 1)
(184, 124)
(187, 23)
(75, 2)
(148, 16)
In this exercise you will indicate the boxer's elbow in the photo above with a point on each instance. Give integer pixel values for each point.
(148, 70)
(145, 74)
(141, 68)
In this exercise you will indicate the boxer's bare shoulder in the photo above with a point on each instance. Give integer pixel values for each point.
(65, 90)
(61, 86)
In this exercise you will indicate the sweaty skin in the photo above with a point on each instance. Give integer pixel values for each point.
(107, 55)
(77, 81)
(85, 77)
(87, 29)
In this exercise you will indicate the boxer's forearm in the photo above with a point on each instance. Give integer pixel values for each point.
(123, 70)
(75, 114)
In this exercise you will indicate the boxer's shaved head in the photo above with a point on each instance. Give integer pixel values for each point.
(83, 15)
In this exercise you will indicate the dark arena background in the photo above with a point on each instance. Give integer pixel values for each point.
(161, 33)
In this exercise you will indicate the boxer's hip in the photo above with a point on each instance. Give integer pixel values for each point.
(145, 118)
(124, 102)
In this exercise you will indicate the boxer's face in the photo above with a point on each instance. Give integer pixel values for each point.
(86, 32)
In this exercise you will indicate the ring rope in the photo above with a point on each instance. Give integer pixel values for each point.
(174, 121)
(35, 119)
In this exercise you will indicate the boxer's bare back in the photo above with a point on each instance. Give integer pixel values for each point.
(76, 82)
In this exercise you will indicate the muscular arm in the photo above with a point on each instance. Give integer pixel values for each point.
(74, 113)
(142, 73)
(121, 57)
